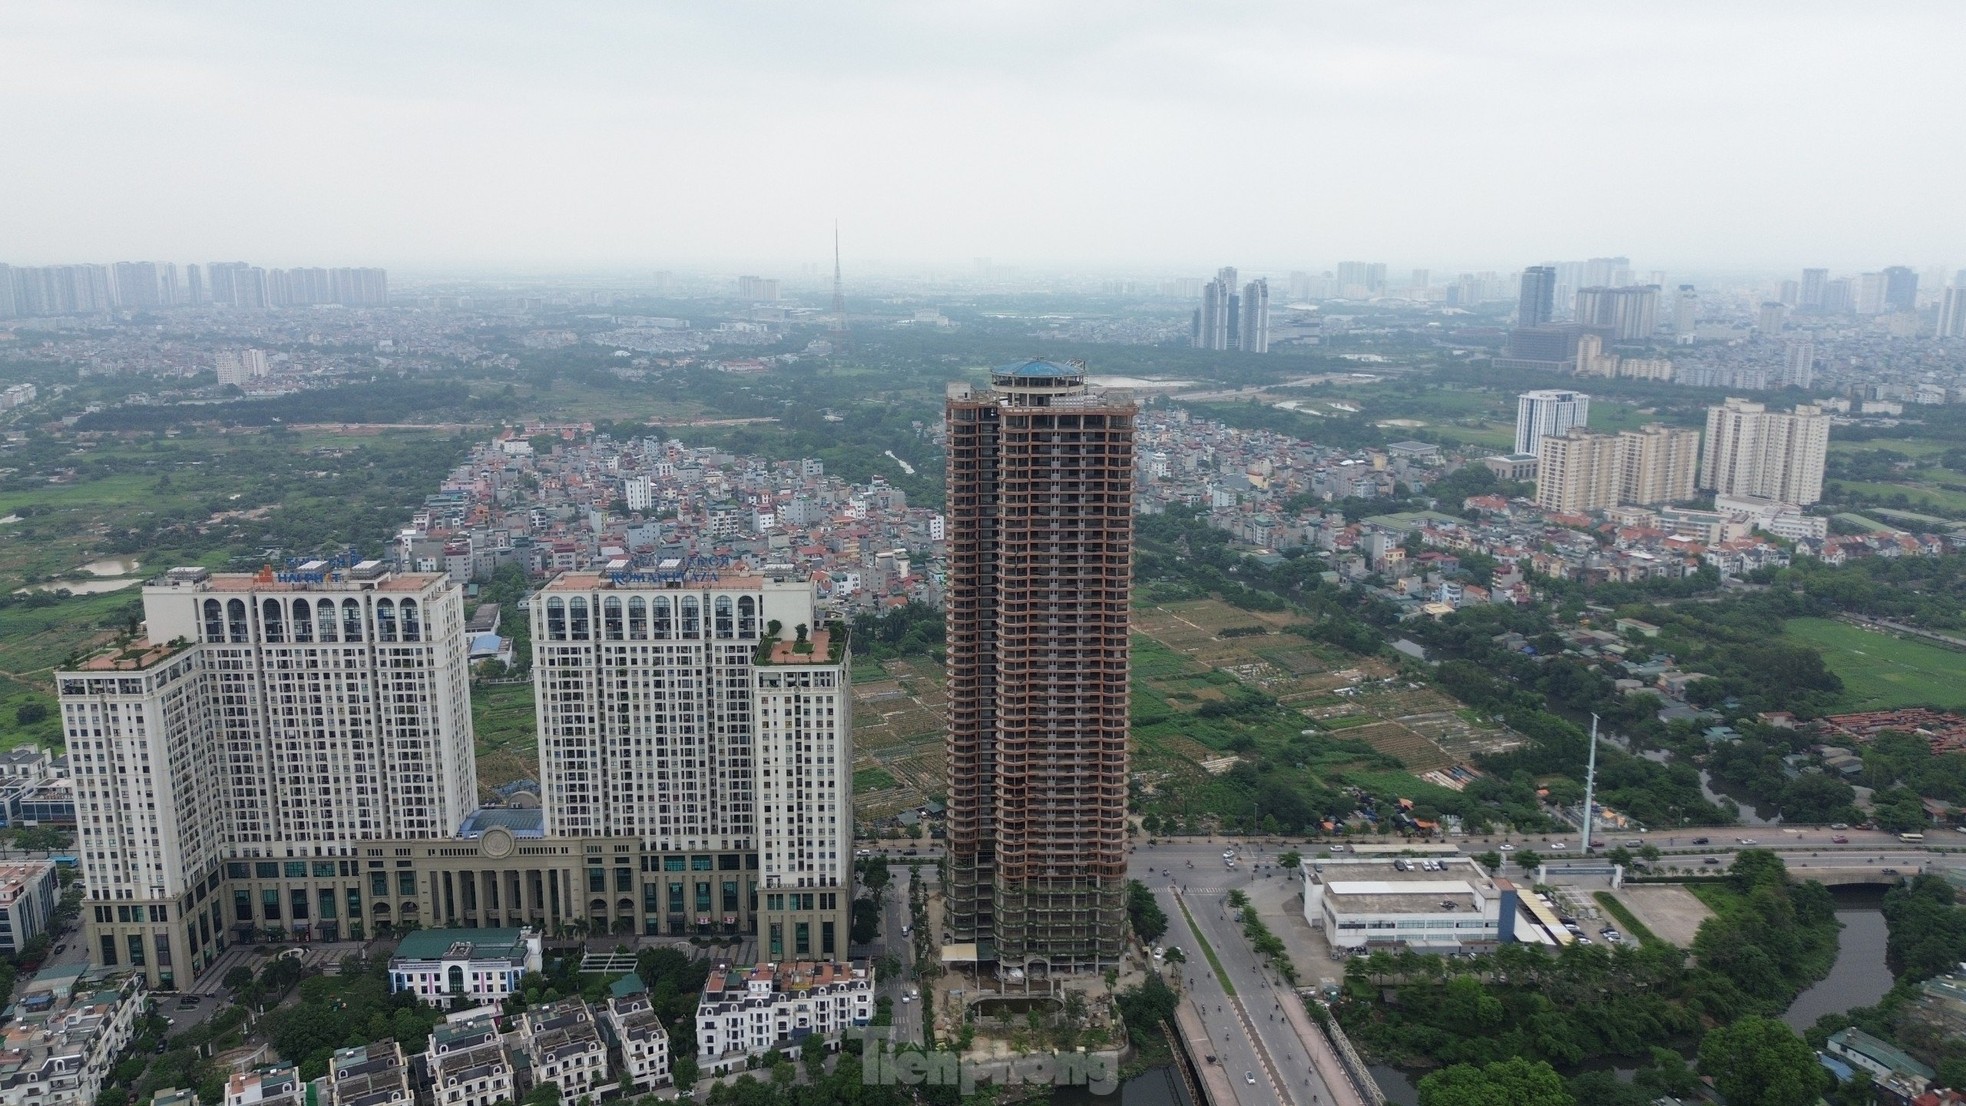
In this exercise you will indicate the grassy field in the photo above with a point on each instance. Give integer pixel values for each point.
(1922, 497)
(502, 719)
(1880, 671)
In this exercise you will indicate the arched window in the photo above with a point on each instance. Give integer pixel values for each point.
(663, 626)
(324, 620)
(214, 621)
(351, 620)
(747, 617)
(692, 617)
(385, 620)
(611, 617)
(638, 618)
(724, 617)
(303, 621)
(556, 619)
(412, 621)
(235, 621)
(577, 618)
(271, 622)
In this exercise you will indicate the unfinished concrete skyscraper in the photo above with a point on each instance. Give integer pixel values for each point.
(1040, 569)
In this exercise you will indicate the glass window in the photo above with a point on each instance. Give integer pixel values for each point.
(638, 619)
(297, 903)
(237, 869)
(730, 896)
(324, 620)
(577, 618)
(272, 624)
(385, 620)
(351, 620)
(692, 617)
(412, 621)
(611, 623)
(406, 883)
(266, 869)
(323, 869)
(136, 949)
(379, 884)
(297, 869)
(802, 939)
(597, 879)
(303, 621)
(701, 863)
(327, 905)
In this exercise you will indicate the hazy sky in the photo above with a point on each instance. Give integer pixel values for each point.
(1157, 135)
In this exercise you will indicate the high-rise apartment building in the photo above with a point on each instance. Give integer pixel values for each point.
(1660, 464)
(1578, 471)
(291, 754)
(270, 724)
(1547, 413)
(1212, 329)
(1771, 318)
(1900, 289)
(1799, 363)
(1254, 317)
(1584, 471)
(1040, 493)
(1631, 312)
(1686, 311)
(1871, 289)
(1752, 451)
(1537, 303)
(1815, 285)
(1952, 312)
(704, 717)
(1361, 277)
(240, 366)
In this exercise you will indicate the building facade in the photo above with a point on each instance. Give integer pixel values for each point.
(1443, 903)
(479, 965)
(638, 1034)
(28, 895)
(272, 724)
(1040, 536)
(1579, 471)
(1752, 451)
(710, 720)
(1537, 303)
(1660, 464)
(747, 1012)
(1547, 413)
(564, 1046)
(468, 1065)
(65, 1038)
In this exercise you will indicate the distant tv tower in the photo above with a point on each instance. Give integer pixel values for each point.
(839, 335)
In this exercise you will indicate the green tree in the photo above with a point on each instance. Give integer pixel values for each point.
(1759, 1061)
(1511, 1082)
(1149, 920)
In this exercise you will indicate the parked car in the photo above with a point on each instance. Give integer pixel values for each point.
(1839, 839)
(1839, 825)
(1249, 1077)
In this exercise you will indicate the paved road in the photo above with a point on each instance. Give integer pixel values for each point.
(1248, 1029)
(907, 1015)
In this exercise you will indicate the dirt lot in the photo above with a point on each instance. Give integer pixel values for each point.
(1669, 911)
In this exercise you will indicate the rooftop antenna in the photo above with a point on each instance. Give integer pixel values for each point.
(1590, 787)
(839, 336)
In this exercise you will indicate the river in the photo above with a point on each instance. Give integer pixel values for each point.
(1858, 978)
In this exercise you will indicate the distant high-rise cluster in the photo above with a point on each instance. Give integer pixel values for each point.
(1227, 319)
(32, 291)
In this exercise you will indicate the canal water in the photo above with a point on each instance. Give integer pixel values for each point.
(1858, 978)
(1154, 1087)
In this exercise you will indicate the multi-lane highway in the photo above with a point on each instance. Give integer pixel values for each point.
(1276, 1060)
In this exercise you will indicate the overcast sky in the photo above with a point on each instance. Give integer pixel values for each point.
(1154, 135)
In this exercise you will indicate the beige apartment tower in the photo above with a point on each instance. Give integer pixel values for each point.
(1579, 471)
(1752, 451)
(1661, 465)
(1040, 550)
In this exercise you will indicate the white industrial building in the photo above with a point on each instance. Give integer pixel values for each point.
(1441, 903)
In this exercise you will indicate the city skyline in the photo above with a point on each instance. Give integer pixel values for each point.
(450, 139)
